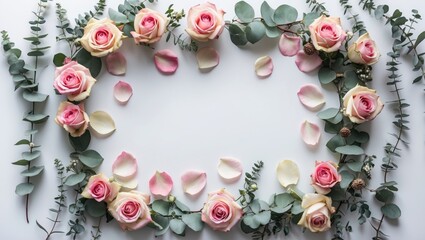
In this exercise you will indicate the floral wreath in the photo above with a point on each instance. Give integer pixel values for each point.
(318, 41)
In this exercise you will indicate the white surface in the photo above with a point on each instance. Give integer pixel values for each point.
(190, 119)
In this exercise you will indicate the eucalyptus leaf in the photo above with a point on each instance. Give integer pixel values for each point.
(326, 75)
(193, 221)
(162, 223)
(391, 211)
(350, 150)
(250, 221)
(17, 67)
(24, 189)
(59, 59)
(263, 217)
(310, 17)
(91, 158)
(94, 64)
(245, 228)
(21, 162)
(237, 35)
(255, 31)
(296, 208)
(181, 206)
(347, 178)
(22, 142)
(34, 96)
(285, 14)
(36, 118)
(94, 208)
(29, 156)
(384, 195)
(355, 166)
(273, 32)
(328, 113)
(32, 171)
(160, 206)
(267, 14)
(351, 79)
(80, 143)
(117, 17)
(177, 226)
(335, 142)
(74, 179)
(281, 209)
(244, 12)
(283, 199)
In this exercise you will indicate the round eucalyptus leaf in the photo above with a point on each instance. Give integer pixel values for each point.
(177, 226)
(24, 189)
(326, 75)
(347, 178)
(59, 59)
(94, 64)
(391, 211)
(350, 150)
(32, 171)
(75, 179)
(34, 96)
(94, 208)
(80, 143)
(267, 14)
(91, 158)
(384, 196)
(193, 221)
(237, 35)
(160, 206)
(244, 11)
(285, 14)
(255, 31)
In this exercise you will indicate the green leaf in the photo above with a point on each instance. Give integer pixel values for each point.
(14, 51)
(32, 172)
(36, 118)
(75, 179)
(181, 206)
(91, 158)
(244, 12)
(117, 17)
(94, 208)
(193, 221)
(273, 32)
(24, 189)
(285, 14)
(34, 96)
(245, 228)
(310, 17)
(22, 142)
(328, 113)
(94, 64)
(350, 150)
(59, 59)
(29, 156)
(380, 11)
(296, 208)
(35, 53)
(351, 79)
(335, 142)
(237, 35)
(17, 67)
(326, 75)
(355, 166)
(255, 31)
(267, 14)
(161, 223)
(347, 178)
(41, 227)
(177, 226)
(384, 195)
(263, 217)
(391, 211)
(160, 206)
(80, 143)
(251, 222)
(419, 39)
(21, 162)
(283, 199)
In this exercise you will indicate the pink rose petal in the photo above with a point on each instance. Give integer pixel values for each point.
(160, 184)
(230, 168)
(207, 58)
(116, 64)
(166, 61)
(123, 92)
(124, 170)
(307, 63)
(264, 66)
(193, 181)
(289, 45)
(311, 97)
(310, 133)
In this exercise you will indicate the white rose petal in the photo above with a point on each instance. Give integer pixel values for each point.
(102, 123)
(311, 96)
(287, 173)
(230, 168)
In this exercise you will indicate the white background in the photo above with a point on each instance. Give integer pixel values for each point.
(190, 119)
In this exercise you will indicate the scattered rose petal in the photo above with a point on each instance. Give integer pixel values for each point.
(124, 170)
(128, 185)
(310, 133)
(123, 92)
(207, 58)
(166, 61)
(116, 64)
(102, 123)
(160, 184)
(287, 173)
(311, 96)
(193, 181)
(307, 63)
(230, 168)
(289, 45)
(264, 66)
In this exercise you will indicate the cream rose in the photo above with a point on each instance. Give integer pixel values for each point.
(325, 176)
(74, 81)
(327, 34)
(72, 118)
(362, 104)
(317, 212)
(100, 188)
(131, 210)
(101, 37)
(204, 22)
(364, 51)
(221, 212)
(149, 26)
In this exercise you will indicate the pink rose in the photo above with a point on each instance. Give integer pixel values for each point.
(327, 34)
(73, 80)
(221, 212)
(364, 51)
(317, 212)
(205, 22)
(325, 176)
(131, 210)
(362, 104)
(100, 189)
(72, 118)
(101, 37)
(149, 26)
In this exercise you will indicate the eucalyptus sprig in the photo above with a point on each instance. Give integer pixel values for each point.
(358, 25)
(174, 22)
(24, 76)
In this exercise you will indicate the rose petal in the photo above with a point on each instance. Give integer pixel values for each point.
(193, 181)
(102, 123)
(287, 173)
(116, 63)
(310, 133)
(166, 61)
(289, 45)
(160, 184)
(307, 63)
(264, 66)
(311, 97)
(207, 58)
(124, 170)
(128, 184)
(123, 92)
(230, 168)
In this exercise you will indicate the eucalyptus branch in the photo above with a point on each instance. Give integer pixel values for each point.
(358, 25)
(174, 22)
(316, 6)
(97, 234)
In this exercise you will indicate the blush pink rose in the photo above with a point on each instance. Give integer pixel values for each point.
(325, 176)
(221, 212)
(74, 81)
(317, 212)
(131, 210)
(362, 104)
(72, 118)
(101, 37)
(327, 34)
(149, 26)
(204, 22)
(100, 188)
(364, 51)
